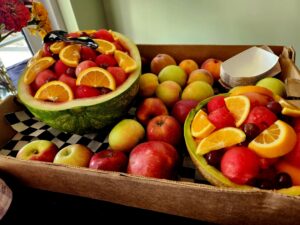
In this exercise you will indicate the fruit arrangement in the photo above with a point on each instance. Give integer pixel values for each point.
(75, 87)
(248, 137)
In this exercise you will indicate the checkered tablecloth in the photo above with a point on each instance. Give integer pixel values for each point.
(30, 128)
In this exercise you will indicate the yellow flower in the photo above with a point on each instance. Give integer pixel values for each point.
(41, 20)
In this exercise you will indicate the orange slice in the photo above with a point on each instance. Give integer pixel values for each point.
(35, 57)
(201, 127)
(222, 138)
(238, 90)
(89, 32)
(36, 67)
(127, 63)
(239, 107)
(276, 140)
(293, 112)
(96, 77)
(105, 47)
(56, 47)
(115, 37)
(70, 55)
(54, 91)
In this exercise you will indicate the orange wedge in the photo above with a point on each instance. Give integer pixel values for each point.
(36, 67)
(96, 77)
(105, 47)
(54, 91)
(127, 63)
(275, 141)
(201, 127)
(222, 138)
(35, 57)
(56, 47)
(293, 112)
(239, 107)
(238, 90)
(88, 32)
(70, 55)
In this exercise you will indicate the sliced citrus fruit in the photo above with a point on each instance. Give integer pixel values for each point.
(115, 37)
(35, 57)
(54, 91)
(105, 47)
(36, 67)
(96, 77)
(293, 112)
(70, 55)
(222, 138)
(88, 32)
(56, 47)
(201, 127)
(238, 90)
(125, 61)
(277, 140)
(239, 107)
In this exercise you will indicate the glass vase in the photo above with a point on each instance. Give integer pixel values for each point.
(6, 84)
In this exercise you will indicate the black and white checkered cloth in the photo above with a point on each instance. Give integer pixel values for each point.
(30, 128)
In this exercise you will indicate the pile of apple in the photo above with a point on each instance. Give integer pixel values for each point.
(151, 144)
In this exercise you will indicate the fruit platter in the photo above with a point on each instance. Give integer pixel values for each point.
(166, 134)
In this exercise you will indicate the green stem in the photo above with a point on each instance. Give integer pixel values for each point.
(6, 35)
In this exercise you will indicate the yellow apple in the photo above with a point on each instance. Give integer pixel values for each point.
(74, 155)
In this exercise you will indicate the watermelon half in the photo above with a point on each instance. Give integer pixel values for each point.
(87, 115)
(210, 173)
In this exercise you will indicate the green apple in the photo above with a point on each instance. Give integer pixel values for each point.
(273, 84)
(169, 92)
(174, 73)
(40, 150)
(148, 84)
(125, 135)
(74, 155)
(197, 90)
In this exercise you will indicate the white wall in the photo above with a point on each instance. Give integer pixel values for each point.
(271, 22)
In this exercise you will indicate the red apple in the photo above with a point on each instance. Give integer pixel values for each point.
(109, 160)
(74, 155)
(164, 128)
(149, 108)
(40, 150)
(153, 159)
(182, 108)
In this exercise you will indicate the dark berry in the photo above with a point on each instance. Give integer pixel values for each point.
(213, 158)
(104, 90)
(274, 106)
(283, 180)
(251, 130)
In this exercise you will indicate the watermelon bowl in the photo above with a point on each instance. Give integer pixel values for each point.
(86, 115)
(213, 174)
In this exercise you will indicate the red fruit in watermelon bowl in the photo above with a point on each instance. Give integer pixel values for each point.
(57, 104)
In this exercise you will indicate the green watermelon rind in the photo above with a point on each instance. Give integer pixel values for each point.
(88, 115)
